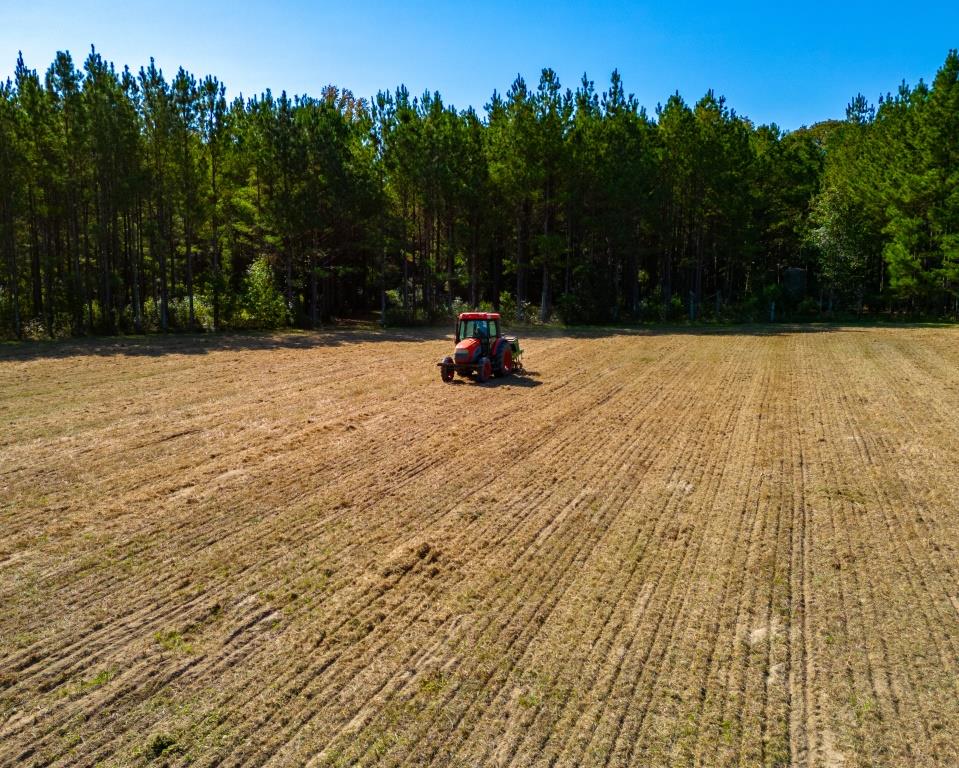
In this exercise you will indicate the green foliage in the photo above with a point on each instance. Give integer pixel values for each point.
(262, 299)
(459, 306)
(160, 745)
(131, 202)
(86, 685)
(172, 641)
(808, 308)
(507, 306)
(889, 208)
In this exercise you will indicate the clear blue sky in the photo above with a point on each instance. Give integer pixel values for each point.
(789, 63)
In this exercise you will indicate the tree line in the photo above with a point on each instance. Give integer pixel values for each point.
(131, 202)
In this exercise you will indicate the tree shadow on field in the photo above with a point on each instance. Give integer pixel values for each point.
(198, 344)
(751, 329)
(347, 333)
(602, 332)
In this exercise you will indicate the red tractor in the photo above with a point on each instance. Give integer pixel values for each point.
(481, 348)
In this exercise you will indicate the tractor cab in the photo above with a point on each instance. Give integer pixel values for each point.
(481, 348)
(479, 326)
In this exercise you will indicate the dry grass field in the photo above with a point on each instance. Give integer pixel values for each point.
(657, 549)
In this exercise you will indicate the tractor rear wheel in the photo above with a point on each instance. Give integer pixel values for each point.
(504, 361)
(447, 371)
(484, 371)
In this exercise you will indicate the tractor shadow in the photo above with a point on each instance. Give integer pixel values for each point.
(519, 380)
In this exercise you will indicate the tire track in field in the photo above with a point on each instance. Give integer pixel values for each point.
(799, 659)
(505, 682)
(840, 680)
(729, 649)
(626, 493)
(910, 568)
(649, 685)
(432, 536)
(539, 534)
(632, 589)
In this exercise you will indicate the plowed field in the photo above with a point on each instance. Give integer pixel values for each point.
(656, 549)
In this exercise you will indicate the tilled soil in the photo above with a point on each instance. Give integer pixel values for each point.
(654, 549)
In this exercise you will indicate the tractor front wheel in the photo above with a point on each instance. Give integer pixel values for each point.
(447, 371)
(484, 371)
(504, 364)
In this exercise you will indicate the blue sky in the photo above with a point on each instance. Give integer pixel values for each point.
(792, 64)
